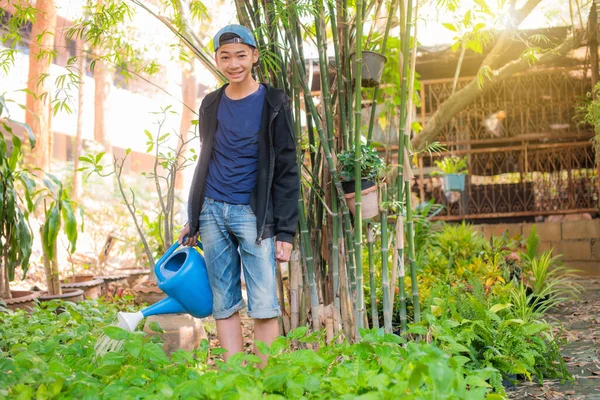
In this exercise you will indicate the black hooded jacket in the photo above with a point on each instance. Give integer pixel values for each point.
(274, 199)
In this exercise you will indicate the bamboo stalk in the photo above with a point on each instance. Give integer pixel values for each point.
(372, 285)
(385, 274)
(308, 258)
(341, 87)
(401, 272)
(408, 179)
(404, 40)
(346, 304)
(376, 90)
(411, 255)
(295, 279)
(346, 57)
(357, 78)
(324, 141)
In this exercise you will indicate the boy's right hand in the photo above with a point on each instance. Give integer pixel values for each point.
(189, 241)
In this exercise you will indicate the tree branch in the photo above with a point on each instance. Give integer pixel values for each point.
(467, 95)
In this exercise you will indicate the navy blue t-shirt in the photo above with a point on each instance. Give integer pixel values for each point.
(233, 166)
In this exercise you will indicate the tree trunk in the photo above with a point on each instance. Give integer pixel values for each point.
(189, 95)
(101, 93)
(4, 283)
(51, 271)
(76, 192)
(38, 100)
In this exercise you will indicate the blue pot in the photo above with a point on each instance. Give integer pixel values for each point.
(454, 182)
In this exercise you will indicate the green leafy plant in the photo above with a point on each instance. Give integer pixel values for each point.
(15, 233)
(372, 166)
(58, 213)
(550, 282)
(50, 355)
(452, 165)
(488, 331)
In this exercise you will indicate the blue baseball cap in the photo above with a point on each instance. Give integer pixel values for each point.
(245, 36)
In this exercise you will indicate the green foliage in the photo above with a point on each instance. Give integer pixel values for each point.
(550, 282)
(533, 244)
(15, 234)
(589, 113)
(50, 354)
(456, 245)
(372, 166)
(486, 329)
(452, 165)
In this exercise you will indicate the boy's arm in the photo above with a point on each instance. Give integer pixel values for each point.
(286, 180)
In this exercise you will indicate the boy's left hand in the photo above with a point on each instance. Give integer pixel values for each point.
(283, 251)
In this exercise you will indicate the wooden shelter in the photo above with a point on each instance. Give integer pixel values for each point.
(527, 151)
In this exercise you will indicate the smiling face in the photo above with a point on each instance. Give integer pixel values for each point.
(235, 61)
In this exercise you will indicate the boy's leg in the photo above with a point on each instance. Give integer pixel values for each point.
(229, 332)
(265, 330)
(258, 262)
(223, 266)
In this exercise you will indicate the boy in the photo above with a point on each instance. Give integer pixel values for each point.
(244, 191)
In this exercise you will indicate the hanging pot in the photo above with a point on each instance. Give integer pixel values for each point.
(454, 182)
(370, 202)
(372, 68)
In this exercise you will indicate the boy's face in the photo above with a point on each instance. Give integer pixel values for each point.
(235, 61)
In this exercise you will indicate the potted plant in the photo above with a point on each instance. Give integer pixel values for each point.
(58, 213)
(453, 170)
(15, 233)
(372, 167)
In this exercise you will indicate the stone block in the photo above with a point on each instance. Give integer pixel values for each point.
(596, 249)
(573, 250)
(584, 229)
(545, 230)
(499, 229)
(585, 268)
(545, 246)
(181, 331)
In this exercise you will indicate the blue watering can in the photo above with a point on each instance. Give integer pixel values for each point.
(181, 274)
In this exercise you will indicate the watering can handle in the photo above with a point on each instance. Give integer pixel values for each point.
(172, 249)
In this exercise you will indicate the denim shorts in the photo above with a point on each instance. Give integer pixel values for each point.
(228, 233)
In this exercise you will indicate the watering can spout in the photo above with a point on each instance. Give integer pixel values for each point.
(166, 306)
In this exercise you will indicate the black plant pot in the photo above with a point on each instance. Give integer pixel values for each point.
(349, 187)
